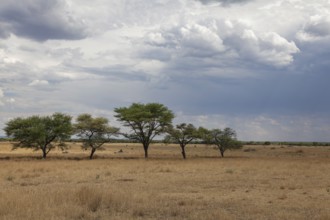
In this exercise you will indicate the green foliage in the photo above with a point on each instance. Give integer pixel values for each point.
(182, 134)
(94, 132)
(145, 121)
(223, 139)
(205, 135)
(40, 132)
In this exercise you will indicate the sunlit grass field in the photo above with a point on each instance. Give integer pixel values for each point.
(256, 182)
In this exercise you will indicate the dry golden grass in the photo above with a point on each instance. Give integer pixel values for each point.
(256, 182)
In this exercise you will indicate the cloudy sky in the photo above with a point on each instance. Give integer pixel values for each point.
(260, 67)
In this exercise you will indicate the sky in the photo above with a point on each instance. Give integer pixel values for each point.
(260, 67)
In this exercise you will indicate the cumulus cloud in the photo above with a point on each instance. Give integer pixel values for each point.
(314, 41)
(190, 39)
(269, 48)
(316, 28)
(217, 43)
(40, 20)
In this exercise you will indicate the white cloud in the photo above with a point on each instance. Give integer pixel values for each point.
(276, 50)
(316, 28)
(4, 100)
(217, 43)
(38, 82)
(97, 55)
(5, 59)
(65, 76)
(11, 100)
(272, 5)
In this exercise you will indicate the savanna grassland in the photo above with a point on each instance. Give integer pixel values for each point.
(256, 182)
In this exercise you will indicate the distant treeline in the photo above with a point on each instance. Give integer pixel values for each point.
(144, 121)
(280, 143)
(287, 143)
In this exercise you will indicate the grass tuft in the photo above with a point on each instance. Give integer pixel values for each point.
(90, 198)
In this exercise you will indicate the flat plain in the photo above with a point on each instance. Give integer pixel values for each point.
(256, 182)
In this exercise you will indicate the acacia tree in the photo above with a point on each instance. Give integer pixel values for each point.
(145, 121)
(223, 139)
(182, 134)
(40, 132)
(94, 132)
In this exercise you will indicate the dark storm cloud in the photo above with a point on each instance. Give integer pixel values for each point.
(39, 20)
(280, 94)
(314, 58)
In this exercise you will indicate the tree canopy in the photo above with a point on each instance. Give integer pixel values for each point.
(224, 139)
(182, 134)
(40, 132)
(145, 121)
(94, 132)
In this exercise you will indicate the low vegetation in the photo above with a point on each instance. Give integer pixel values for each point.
(40, 133)
(257, 181)
(94, 132)
(182, 134)
(145, 122)
(284, 183)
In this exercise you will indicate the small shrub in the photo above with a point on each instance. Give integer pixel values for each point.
(138, 213)
(10, 178)
(174, 213)
(181, 203)
(282, 197)
(165, 170)
(108, 173)
(90, 197)
(126, 180)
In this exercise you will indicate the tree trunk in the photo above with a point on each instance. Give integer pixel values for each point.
(222, 151)
(92, 153)
(145, 147)
(183, 152)
(44, 153)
